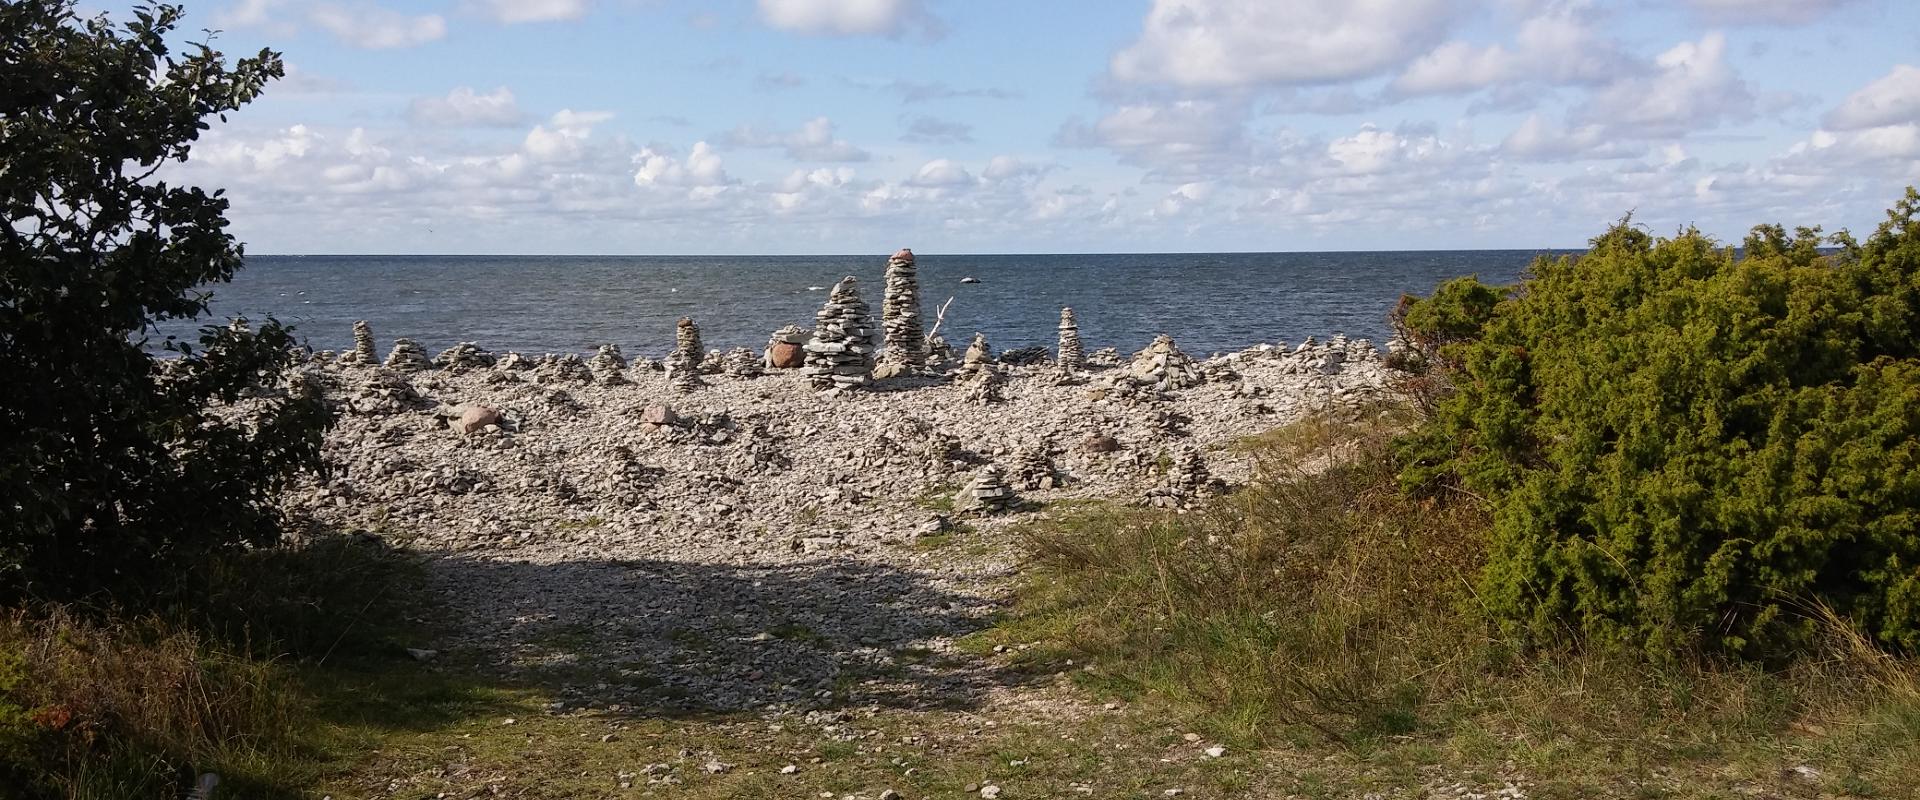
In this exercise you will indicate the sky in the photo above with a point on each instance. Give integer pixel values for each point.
(1038, 126)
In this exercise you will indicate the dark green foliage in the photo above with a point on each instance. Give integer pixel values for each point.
(115, 468)
(1683, 447)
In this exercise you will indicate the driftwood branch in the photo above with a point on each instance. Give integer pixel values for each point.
(939, 317)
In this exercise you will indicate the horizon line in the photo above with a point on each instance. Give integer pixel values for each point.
(936, 255)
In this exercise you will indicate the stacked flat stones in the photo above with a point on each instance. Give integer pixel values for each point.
(906, 342)
(683, 365)
(1187, 482)
(840, 354)
(740, 362)
(408, 357)
(987, 493)
(1162, 366)
(786, 349)
(609, 365)
(363, 347)
(1033, 467)
(462, 357)
(979, 381)
(1072, 358)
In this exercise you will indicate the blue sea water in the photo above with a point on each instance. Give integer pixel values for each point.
(559, 304)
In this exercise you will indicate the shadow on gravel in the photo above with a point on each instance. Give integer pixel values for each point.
(667, 638)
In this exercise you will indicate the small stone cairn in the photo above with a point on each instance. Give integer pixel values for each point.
(906, 342)
(1187, 482)
(463, 357)
(1162, 366)
(740, 362)
(786, 349)
(569, 367)
(978, 379)
(363, 347)
(1073, 357)
(683, 366)
(1033, 467)
(987, 493)
(608, 365)
(407, 357)
(840, 355)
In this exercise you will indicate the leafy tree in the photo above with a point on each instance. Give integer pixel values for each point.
(116, 466)
(1687, 446)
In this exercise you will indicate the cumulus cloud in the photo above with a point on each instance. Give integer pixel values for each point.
(1690, 87)
(1557, 46)
(933, 130)
(1890, 100)
(940, 172)
(516, 11)
(849, 17)
(658, 167)
(814, 141)
(465, 107)
(375, 28)
(1228, 43)
(1536, 140)
(564, 136)
(1765, 12)
(1180, 137)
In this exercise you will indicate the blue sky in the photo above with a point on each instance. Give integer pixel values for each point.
(850, 126)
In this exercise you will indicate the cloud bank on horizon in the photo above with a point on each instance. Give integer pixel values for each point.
(837, 126)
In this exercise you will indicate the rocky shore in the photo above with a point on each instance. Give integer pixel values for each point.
(716, 531)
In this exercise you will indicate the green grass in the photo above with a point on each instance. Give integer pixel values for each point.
(1328, 613)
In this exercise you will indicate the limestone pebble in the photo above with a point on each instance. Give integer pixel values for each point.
(840, 355)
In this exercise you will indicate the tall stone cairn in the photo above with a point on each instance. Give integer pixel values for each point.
(408, 357)
(683, 365)
(900, 312)
(1073, 357)
(840, 354)
(363, 347)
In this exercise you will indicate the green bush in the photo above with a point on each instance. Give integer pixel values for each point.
(1683, 446)
(119, 469)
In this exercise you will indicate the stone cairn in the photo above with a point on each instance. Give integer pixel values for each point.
(1187, 482)
(786, 348)
(1164, 367)
(906, 343)
(1033, 467)
(363, 348)
(740, 362)
(569, 367)
(513, 362)
(978, 379)
(407, 357)
(683, 366)
(1072, 357)
(840, 355)
(987, 493)
(463, 357)
(608, 365)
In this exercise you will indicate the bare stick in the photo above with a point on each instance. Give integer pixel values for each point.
(939, 317)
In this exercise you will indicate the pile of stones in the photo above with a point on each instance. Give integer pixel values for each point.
(1033, 468)
(786, 349)
(1162, 366)
(384, 392)
(513, 362)
(740, 362)
(906, 343)
(987, 493)
(363, 347)
(407, 357)
(683, 365)
(608, 365)
(1104, 358)
(840, 354)
(463, 357)
(1072, 358)
(977, 378)
(1187, 483)
(570, 367)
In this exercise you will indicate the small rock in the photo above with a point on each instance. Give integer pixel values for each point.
(1216, 751)
(989, 791)
(422, 655)
(789, 769)
(717, 767)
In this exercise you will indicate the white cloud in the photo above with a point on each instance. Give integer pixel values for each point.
(814, 141)
(1764, 12)
(848, 17)
(465, 107)
(1535, 140)
(517, 11)
(374, 28)
(1181, 137)
(1690, 87)
(1227, 43)
(1558, 46)
(701, 168)
(940, 172)
(564, 136)
(1890, 100)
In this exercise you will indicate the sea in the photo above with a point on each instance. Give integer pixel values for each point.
(1209, 302)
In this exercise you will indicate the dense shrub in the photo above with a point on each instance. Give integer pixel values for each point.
(114, 472)
(1687, 446)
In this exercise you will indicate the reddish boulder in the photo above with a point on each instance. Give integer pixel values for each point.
(787, 355)
(475, 418)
